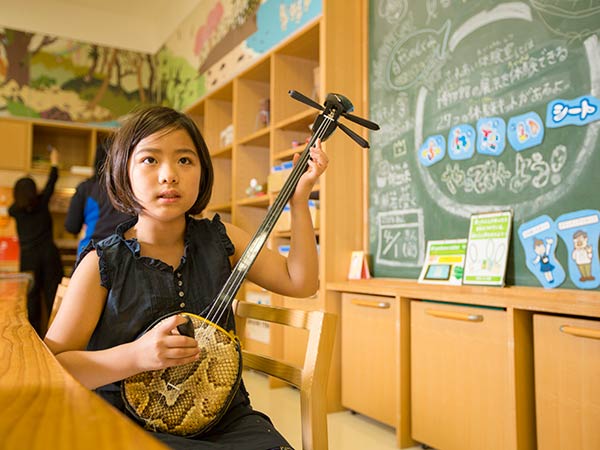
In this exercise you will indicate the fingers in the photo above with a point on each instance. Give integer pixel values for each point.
(172, 337)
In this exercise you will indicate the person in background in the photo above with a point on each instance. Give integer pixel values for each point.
(91, 207)
(38, 253)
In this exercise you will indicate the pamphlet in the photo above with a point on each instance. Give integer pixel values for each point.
(444, 262)
(487, 249)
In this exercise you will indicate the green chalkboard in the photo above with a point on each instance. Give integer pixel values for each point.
(440, 64)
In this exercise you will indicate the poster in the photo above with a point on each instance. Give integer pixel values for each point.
(487, 248)
(444, 262)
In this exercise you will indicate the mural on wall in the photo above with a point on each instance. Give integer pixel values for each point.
(221, 38)
(55, 78)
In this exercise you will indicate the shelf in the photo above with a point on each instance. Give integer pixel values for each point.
(298, 122)
(258, 138)
(225, 92)
(224, 152)
(261, 201)
(286, 155)
(219, 207)
(288, 234)
(304, 45)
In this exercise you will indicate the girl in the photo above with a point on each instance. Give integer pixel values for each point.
(164, 261)
(38, 253)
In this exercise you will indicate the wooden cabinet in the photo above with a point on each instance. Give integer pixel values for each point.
(14, 145)
(370, 343)
(567, 380)
(460, 377)
(24, 149)
(25, 145)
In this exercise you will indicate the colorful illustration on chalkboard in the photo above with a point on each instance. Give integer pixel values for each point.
(461, 142)
(433, 150)
(538, 238)
(491, 136)
(580, 231)
(579, 111)
(525, 131)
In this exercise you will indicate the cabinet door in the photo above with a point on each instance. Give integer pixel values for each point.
(459, 377)
(567, 382)
(14, 145)
(370, 344)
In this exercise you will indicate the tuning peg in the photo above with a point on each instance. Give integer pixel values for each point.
(358, 139)
(359, 120)
(304, 99)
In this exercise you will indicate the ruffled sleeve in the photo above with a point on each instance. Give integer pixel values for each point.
(105, 280)
(224, 238)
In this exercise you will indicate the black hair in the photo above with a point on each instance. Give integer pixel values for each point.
(142, 123)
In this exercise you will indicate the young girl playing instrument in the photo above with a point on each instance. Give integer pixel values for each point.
(164, 261)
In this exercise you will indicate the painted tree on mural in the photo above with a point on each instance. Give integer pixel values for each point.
(55, 78)
(16, 47)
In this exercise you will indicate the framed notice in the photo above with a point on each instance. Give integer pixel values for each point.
(487, 248)
(444, 262)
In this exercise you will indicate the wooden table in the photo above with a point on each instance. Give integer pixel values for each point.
(41, 405)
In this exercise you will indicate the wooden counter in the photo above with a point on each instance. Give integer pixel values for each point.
(560, 301)
(42, 406)
(518, 305)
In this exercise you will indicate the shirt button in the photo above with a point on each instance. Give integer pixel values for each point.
(182, 305)
(181, 294)
(178, 274)
(179, 283)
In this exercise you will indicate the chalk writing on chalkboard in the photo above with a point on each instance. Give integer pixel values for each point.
(462, 90)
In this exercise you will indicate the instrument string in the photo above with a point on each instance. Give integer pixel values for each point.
(225, 297)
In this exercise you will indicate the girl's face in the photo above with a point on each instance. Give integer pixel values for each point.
(164, 171)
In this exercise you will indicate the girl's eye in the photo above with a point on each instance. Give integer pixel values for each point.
(185, 160)
(148, 160)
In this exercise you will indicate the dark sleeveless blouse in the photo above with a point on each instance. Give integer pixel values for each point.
(142, 290)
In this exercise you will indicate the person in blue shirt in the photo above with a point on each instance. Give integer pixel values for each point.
(91, 207)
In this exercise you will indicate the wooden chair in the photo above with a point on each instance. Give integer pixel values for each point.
(311, 378)
(60, 292)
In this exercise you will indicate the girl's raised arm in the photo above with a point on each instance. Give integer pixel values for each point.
(298, 274)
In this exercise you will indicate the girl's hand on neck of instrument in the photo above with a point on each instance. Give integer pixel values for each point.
(317, 164)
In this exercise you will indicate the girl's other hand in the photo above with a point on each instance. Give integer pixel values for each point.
(163, 346)
(317, 164)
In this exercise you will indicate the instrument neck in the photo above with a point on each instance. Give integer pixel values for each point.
(236, 278)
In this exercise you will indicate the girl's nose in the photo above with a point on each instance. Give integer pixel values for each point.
(168, 176)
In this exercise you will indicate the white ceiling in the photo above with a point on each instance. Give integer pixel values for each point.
(139, 25)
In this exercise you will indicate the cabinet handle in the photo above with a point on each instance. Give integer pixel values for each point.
(580, 332)
(368, 304)
(455, 315)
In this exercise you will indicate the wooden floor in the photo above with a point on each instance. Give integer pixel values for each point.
(347, 431)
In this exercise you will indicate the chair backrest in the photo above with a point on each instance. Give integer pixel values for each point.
(60, 293)
(311, 378)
